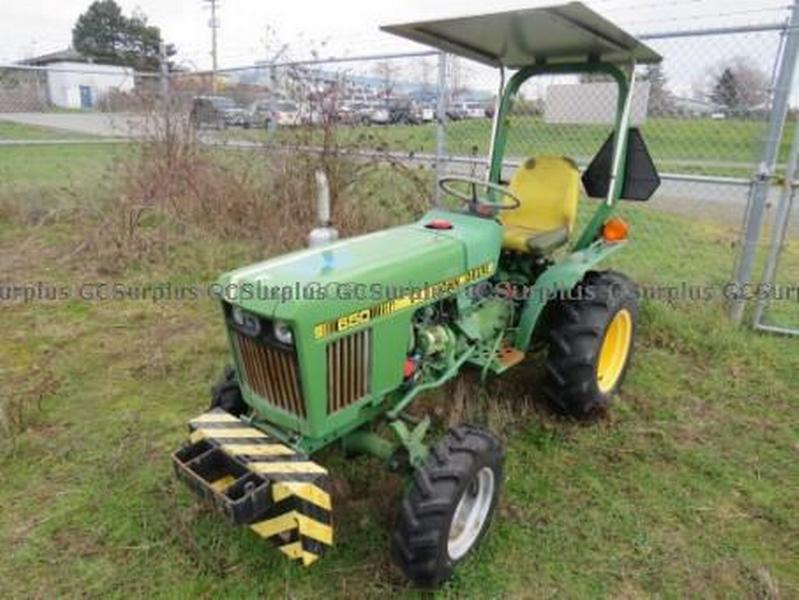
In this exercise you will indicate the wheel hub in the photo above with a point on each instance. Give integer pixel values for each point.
(471, 513)
(614, 350)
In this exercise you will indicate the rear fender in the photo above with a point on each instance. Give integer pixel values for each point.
(558, 278)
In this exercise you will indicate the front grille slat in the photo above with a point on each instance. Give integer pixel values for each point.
(293, 379)
(272, 373)
(349, 367)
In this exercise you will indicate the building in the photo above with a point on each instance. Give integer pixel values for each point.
(74, 81)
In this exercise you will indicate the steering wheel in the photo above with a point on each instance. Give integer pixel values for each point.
(475, 198)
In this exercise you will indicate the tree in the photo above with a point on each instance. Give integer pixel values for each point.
(739, 86)
(725, 92)
(387, 72)
(753, 84)
(106, 35)
(661, 100)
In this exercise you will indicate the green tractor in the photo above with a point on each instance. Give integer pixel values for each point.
(377, 320)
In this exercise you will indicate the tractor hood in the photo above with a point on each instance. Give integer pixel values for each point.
(323, 283)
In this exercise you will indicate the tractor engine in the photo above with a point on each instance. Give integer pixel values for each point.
(431, 344)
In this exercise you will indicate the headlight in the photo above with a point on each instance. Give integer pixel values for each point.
(247, 322)
(282, 332)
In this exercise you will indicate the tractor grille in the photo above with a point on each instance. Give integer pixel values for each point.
(349, 369)
(272, 373)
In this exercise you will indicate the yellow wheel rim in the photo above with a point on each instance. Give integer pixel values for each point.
(614, 351)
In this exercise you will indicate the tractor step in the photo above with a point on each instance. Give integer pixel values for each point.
(499, 361)
(508, 357)
(255, 480)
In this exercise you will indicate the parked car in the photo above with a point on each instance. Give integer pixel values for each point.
(218, 112)
(474, 110)
(466, 109)
(456, 111)
(282, 112)
(427, 113)
(402, 112)
(379, 114)
(354, 113)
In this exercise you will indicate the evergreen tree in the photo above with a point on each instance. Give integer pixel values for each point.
(726, 93)
(106, 35)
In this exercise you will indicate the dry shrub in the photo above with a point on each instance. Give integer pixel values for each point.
(10, 212)
(174, 188)
(22, 396)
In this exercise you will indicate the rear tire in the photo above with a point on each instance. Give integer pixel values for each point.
(448, 505)
(591, 344)
(226, 394)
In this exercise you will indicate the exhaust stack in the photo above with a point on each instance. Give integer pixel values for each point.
(324, 233)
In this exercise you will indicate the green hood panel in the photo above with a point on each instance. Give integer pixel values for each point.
(322, 283)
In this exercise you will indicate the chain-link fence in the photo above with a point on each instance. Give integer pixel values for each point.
(777, 297)
(703, 113)
(705, 140)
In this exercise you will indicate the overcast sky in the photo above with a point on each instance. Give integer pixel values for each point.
(251, 30)
(29, 27)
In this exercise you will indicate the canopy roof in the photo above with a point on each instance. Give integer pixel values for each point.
(555, 34)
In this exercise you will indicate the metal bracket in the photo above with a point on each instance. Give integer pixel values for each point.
(412, 439)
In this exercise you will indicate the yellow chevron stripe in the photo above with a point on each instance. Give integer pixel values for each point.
(295, 550)
(293, 520)
(292, 550)
(306, 491)
(218, 417)
(258, 449)
(235, 432)
(269, 527)
(286, 467)
(312, 528)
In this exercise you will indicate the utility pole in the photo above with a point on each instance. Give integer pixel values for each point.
(214, 25)
(272, 123)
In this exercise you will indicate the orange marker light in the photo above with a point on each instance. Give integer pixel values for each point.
(615, 230)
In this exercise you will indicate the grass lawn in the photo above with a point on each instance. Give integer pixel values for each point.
(687, 146)
(10, 130)
(689, 488)
(44, 176)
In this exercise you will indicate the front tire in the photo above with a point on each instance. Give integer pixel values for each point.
(448, 506)
(226, 394)
(591, 344)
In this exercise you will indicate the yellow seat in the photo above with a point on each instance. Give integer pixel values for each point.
(548, 188)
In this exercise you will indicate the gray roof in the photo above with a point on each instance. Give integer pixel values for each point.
(67, 55)
(514, 39)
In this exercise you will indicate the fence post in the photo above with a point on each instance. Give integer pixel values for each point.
(756, 202)
(780, 228)
(441, 116)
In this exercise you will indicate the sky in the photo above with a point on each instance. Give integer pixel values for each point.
(254, 30)
(340, 27)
